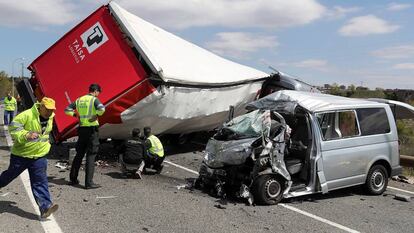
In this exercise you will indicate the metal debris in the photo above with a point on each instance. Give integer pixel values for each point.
(403, 179)
(107, 197)
(63, 165)
(4, 194)
(401, 197)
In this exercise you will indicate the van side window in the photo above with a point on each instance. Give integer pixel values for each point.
(336, 125)
(373, 121)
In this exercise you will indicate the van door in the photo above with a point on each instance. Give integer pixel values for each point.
(342, 151)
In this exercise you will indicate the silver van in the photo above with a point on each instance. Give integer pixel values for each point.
(295, 143)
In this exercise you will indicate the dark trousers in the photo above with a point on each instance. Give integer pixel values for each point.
(88, 142)
(8, 117)
(38, 177)
(153, 160)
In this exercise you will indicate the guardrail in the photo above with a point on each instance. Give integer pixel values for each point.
(407, 161)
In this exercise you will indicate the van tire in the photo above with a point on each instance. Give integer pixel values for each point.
(377, 180)
(267, 190)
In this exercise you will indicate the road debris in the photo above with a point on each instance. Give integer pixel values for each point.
(403, 179)
(220, 207)
(4, 194)
(181, 186)
(107, 197)
(63, 165)
(402, 197)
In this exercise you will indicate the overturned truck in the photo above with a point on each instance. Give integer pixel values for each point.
(149, 77)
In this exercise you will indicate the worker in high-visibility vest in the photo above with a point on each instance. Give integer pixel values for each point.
(155, 151)
(10, 105)
(88, 108)
(30, 133)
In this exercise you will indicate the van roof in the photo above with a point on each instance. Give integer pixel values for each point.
(314, 102)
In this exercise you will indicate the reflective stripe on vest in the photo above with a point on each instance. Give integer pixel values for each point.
(86, 109)
(156, 146)
(10, 105)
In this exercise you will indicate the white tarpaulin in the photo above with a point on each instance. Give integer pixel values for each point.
(179, 61)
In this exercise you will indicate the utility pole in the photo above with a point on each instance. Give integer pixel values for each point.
(15, 60)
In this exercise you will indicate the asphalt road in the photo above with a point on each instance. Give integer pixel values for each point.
(160, 203)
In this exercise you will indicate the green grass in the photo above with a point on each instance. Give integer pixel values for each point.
(408, 171)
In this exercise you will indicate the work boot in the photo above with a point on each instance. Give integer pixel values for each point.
(138, 174)
(92, 186)
(47, 212)
(159, 169)
(73, 182)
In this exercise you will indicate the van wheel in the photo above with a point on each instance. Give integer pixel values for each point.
(377, 180)
(268, 190)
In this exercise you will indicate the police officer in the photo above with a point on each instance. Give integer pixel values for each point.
(132, 153)
(10, 105)
(155, 151)
(88, 109)
(30, 132)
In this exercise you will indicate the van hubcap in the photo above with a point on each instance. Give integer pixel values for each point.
(377, 180)
(272, 188)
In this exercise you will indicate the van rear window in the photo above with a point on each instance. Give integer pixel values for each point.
(373, 121)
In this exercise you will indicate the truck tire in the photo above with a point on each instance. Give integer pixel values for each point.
(377, 180)
(268, 190)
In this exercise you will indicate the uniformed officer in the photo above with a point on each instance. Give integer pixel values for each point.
(88, 108)
(10, 105)
(30, 132)
(155, 151)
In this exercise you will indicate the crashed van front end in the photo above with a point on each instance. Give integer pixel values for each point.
(245, 159)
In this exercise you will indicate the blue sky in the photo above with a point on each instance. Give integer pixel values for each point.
(344, 42)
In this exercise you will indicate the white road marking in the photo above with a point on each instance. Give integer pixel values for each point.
(337, 225)
(347, 229)
(179, 166)
(8, 138)
(49, 225)
(401, 190)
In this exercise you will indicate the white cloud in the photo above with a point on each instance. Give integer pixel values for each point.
(404, 66)
(398, 6)
(37, 13)
(239, 44)
(180, 14)
(395, 52)
(339, 12)
(366, 25)
(315, 64)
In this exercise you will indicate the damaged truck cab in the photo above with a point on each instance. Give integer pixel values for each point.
(295, 143)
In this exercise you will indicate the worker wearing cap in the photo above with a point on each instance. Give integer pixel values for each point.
(30, 132)
(155, 151)
(10, 105)
(88, 108)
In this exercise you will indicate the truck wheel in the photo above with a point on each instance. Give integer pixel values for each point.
(377, 180)
(268, 190)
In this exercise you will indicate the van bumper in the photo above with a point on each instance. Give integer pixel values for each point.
(396, 171)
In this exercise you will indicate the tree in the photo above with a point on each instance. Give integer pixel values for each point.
(5, 84)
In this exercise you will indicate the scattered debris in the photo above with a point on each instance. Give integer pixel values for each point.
(220, 207)
(403, 179)
(63, 165)
(401, 197)
(4, 194)
(181, 186)
(101, 163)
(107, 197)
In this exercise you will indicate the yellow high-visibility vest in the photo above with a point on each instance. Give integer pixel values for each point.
(25, 122)
(86, 109)
(156, 146)
(10, 105)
